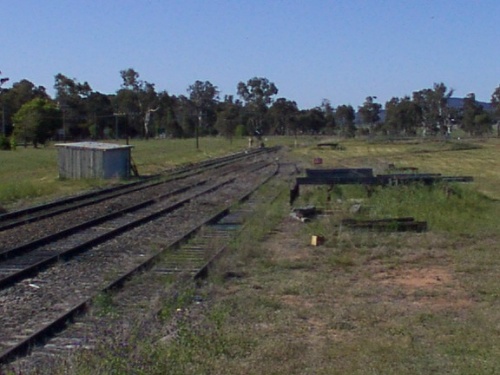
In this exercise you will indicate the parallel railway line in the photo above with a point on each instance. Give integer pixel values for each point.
(38, 306)
(34, 213)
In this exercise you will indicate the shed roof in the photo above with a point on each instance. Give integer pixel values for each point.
(93, 145)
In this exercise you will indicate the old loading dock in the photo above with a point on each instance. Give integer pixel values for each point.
(94, 160)
(365, 176)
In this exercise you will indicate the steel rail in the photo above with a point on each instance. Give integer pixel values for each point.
(23, 347)
(22, 249)
(203, 272)
(16, 218)
(49, 259)
(30, 246)
(34, 268)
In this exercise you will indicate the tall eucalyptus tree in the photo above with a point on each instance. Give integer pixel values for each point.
(370, 112)
(434, 107)
(257, 95)
(344, 116)
(204, 96)
(70, 97)
(283, 115)
(495, 102)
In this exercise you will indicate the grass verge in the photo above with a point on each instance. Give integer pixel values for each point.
(364, 302)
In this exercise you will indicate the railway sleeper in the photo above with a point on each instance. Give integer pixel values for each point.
(49, 330)
(387, 225)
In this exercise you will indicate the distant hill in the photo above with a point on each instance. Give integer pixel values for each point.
(459, 103)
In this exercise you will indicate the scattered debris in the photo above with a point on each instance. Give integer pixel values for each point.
(355, 208)
(393, 168)
(233, 275)
(402, 224)
(317, 240)
(304, 214)
(333, 146)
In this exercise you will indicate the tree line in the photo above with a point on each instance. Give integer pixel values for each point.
(136, 109)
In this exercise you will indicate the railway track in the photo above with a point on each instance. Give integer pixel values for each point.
(30, 230)
(137, 305)
(39, 212)
(103, 255)
(28, 259)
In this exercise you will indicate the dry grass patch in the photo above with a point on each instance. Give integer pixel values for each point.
(399, 305)
(364, 302)
(430, 288)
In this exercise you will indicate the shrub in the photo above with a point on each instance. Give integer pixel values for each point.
(240, 131)
(4, 143)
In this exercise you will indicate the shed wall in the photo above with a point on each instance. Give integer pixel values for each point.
(116, 163)
(76, 163)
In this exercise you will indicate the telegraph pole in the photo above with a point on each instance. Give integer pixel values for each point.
(197, 129)
(117, 114)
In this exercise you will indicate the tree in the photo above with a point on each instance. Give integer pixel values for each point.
(71, 95)
(37, 121)
(204, 96)
(345, 116)
(12, 99)
(100, 114)
(165, 122)
(283, 113)
(130, 79)
(148, 102)
(329, 113)
(257, 94)
(228, 114)
(370, 112)
(469, 110)
(186, 115)
(475, 120)
(126, 105)
(434, 107)
(403, 116)
(495, 102)
(311, 121)
(3, 80)
(483, 123)
(138, 100)
(172, 126)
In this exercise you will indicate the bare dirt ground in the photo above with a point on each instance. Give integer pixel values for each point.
(388, 303)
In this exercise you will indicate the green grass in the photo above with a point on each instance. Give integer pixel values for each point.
(445, 208)
(28, 174)
(322, 312)
(363, 303)
(477, 158)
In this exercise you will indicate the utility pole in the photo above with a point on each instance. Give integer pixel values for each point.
(62, 107)
(116, 114)
(127, 128)
(196, 129)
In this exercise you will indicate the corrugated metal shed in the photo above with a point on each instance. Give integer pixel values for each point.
(93, 160)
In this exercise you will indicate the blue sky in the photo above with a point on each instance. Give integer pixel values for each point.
(342, 50)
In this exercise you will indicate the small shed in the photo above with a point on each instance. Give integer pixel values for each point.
(93, 160)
